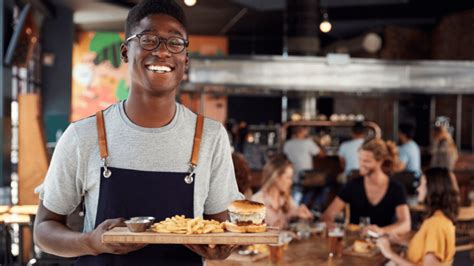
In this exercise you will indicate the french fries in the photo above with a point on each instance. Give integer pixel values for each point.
(179, 224)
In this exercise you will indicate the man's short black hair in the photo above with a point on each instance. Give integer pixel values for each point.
(407, 129)
(358, 128)
(150, 7)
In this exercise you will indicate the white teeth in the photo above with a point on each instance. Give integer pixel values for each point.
(160, 69)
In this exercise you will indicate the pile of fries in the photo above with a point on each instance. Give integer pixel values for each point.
(182, 225)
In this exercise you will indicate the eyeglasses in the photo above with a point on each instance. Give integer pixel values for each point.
(149, 42)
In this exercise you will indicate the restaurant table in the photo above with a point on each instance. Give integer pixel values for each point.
(313, 251)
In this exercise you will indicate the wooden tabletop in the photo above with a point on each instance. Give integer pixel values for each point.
(8, 218)
(24, 209)
(313, 251)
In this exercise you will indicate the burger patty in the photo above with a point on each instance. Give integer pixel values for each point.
(244, 223)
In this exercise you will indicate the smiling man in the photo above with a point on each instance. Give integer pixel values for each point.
(145, 156)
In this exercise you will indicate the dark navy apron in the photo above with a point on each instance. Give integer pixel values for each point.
(128, 193)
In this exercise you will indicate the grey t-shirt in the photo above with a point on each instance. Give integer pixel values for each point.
(75, 167)
(300, 152)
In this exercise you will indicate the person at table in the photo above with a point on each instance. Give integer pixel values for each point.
(444, 152)
(434, 244)
(145, 156)
(374, 194)
(349, 149)
(300, 150)
(276, 193)
(409, 151)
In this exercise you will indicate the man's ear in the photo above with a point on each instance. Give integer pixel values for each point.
(123, 52)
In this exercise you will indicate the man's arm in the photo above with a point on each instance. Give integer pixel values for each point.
(53, 236)
(221, 217)
(342, 162)
(403, 224)
(337, 205)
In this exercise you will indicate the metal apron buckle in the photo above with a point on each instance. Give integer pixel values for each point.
(107, 173)
(190, 177)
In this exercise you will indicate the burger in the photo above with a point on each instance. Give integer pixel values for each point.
(246, 217)
(363, 246)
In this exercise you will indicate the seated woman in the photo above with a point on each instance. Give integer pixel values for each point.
(434, 243)
(276, 193)
(374, 194)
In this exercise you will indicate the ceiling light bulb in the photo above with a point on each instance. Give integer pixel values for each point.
(190, 2)
(325, 26)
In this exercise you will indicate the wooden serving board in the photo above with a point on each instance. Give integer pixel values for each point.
(123, 235)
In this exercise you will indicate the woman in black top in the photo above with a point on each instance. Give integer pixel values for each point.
(374, 194)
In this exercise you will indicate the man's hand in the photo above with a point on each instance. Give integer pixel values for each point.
(374, 228)
(95, 239)
(213, 252)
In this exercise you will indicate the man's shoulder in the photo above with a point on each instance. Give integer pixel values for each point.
(355, 182)
(86, 128)
(211, 126)
(396, 185)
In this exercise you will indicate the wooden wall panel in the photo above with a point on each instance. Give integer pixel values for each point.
(33, 158)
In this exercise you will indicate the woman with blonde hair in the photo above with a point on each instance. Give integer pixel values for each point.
(276, 193)
(444, 152)
(434, 244)
(374, 194)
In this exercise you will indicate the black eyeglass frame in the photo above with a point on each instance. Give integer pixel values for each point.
(160, 40)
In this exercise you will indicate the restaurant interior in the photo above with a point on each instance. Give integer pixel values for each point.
(267, 70)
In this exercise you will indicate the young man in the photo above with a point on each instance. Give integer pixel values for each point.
(300, 151)
(409, 151)
(348, 151)
(139, 163)
(374, 194)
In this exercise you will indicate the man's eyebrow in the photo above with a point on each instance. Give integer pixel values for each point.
(148, 30)
(176, 32)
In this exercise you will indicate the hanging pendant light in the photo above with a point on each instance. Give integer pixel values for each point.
(325, 25)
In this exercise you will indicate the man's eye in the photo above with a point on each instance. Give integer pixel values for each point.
(175, 42)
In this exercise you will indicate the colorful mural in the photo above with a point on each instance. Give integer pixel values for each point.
(101, 79)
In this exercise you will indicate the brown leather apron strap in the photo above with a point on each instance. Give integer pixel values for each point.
(104, 153)
(197, 140)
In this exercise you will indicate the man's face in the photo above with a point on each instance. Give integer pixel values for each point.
(367, 163)
(141, 62)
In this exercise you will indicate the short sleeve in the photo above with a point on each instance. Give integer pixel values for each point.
(435, 242)
(222, 185)
(285, 148)
(342, 150)
(314, 149)
(62, 188)
(399, 195)
(403, 155)
(347, 191)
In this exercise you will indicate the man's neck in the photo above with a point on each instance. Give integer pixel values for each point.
(378, 177)
(150, 112)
